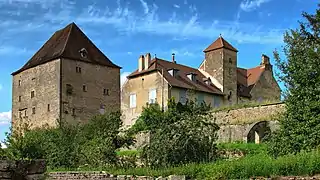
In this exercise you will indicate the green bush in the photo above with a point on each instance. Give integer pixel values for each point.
(70, 146)
(181, 134)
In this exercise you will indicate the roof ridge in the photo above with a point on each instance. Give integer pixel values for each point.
(67, 39)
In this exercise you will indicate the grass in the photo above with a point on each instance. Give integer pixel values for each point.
(257, 165)
(247, 148)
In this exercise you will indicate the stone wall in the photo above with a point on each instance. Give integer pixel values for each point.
(22, 170)
(95, 90)
(43, 81)
(105, 176)
(248, 115)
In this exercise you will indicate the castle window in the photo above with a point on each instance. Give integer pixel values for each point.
(106, 92)
(192, 76)
(152, 96)
(25, 113)
(48, 108)
(78, 69)
(102, 109)
(69, 89)
(230, 60)
(19, 82)
(32, 94)
(133, 98)
(83, 53)
(33, 110)
(229, 96)
(19, 98)
(173, 72)
(20, 114)
(73, 111)
(84, 88)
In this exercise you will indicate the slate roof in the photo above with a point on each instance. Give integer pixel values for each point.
(66, 43)
(218, 44)
(180, 80)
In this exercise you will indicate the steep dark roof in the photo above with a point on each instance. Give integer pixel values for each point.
(220, 43)
(66, 43)
(181, 80)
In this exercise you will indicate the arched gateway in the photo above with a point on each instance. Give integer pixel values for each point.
(256, 132)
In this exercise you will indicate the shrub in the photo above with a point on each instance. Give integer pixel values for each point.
(70, 146)
(181, 134)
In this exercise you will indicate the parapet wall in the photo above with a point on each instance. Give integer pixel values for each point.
(248, 115)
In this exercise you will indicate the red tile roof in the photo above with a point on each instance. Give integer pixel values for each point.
(247, 78)
(66, 43)
(220, 43)
(181, 80)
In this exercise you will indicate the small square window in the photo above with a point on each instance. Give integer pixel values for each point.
(32, 94)
(84, 88)
(78, 69)
(73, 112)
(69, 89)
(19, 98)
(106, 92)
(48, 108)
(33, 110)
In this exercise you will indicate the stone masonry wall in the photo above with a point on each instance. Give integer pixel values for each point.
(88, 97)
(43, 80)
(22, 170)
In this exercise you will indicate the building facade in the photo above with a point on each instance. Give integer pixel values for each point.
(218, 81)
(69, 79)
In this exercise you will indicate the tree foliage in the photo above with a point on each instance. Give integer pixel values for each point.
(300, 71)
(181, 134)
(71, 146)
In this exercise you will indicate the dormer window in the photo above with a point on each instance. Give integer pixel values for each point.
(173, 72)
(207, 81)
(192, 76)
(83, 53)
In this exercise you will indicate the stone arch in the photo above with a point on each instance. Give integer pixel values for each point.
(256, 132)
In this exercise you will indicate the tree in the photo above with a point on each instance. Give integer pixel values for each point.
(300, 124)
(181, 134)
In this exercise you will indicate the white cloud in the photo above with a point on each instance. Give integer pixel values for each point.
(5, 118)
(176, 6)
(129, 21)
(145, 6)
(123, 78)
(250, 5)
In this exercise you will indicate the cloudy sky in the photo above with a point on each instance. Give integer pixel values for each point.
(124, 29)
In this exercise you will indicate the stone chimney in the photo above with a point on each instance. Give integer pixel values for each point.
(265, 60)
(147, 60)
(141, 63)
(173, 58)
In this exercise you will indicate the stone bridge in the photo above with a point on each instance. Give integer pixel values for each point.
(249, 124)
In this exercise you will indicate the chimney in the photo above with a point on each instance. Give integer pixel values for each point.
(147, 60)
(265, 60)
(141, 63)
(173, 60)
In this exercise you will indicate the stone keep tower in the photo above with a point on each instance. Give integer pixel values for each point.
(68, 79)
(221, 63)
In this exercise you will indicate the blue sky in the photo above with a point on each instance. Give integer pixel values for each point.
(124, 29)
